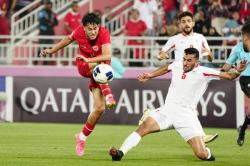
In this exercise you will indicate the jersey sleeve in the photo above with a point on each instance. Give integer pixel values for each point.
(204, 45)
(74, 34)
(169, 46)
(233, 56)
(210, 74)
(105, 38)
(66, 19)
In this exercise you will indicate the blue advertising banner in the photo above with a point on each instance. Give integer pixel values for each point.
(2, 83)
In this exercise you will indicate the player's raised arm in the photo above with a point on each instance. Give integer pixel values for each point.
(158, 72)
(234, 73)
(63, 43)
(162, 55)
(208, 54)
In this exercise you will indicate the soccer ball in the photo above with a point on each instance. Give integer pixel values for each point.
(103, 73)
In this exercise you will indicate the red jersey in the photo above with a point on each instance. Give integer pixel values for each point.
(73, 20)
(87, 47)
(135, 28)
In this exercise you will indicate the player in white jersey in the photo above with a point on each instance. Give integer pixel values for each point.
(178, 43)
(189, 82)
(186, 39)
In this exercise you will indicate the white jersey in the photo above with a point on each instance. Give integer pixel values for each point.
(186, 89)
(180, 42)
(146, 9)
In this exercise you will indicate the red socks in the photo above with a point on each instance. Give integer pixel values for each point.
(105, 89)
(87, 129)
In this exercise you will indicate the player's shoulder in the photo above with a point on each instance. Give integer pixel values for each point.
(198, 35)
(103, 31)
(78, 33)
(176, 37)
(238, 47)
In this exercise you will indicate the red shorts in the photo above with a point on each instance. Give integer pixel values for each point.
(84, 70)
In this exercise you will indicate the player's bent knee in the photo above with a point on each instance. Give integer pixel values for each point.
(147, 127)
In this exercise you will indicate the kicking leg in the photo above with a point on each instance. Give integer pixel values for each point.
(148, 126)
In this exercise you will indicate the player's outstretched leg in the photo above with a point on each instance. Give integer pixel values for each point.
(210, 138)
(115, 154)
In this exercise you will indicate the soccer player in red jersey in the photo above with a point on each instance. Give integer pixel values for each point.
(95, 48)
(72, 19)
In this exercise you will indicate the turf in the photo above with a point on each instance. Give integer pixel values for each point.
(43, 144)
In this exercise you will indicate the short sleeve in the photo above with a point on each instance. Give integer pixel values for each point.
(74, 34)
(66, 19)
(210, 74)
(233, 56)
(169, 46)
(105, 38)
(204, 43)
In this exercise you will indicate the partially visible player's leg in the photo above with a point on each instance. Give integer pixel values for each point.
(244, 82)
(200, 149)
(189, 127)
(148, 126)
(99, 108)
(242, 129)
(210, 138)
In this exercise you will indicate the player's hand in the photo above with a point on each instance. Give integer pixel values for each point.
(242, 65)
(84, 59)
(162, 55)
(207, 52)
(45, 52)
(144, 77)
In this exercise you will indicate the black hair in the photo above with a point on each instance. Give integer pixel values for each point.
(192, 51)
(74, 2)
(184, 14)
(91, 18)
(246, 29)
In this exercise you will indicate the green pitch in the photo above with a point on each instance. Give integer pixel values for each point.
(42, 144)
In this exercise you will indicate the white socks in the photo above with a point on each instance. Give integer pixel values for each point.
(82, 136)
(209, 153)
(131, 141)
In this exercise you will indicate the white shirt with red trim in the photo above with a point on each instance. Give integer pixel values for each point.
(186, 89)
(180, 42)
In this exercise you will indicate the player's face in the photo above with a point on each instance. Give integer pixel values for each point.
(91, 31)
(189, 62)
(187, 25)
(75, 7)
(246, 42)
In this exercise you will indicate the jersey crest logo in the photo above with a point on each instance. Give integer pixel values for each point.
(95, 48)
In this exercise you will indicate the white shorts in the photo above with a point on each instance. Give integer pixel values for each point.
(183, 119)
